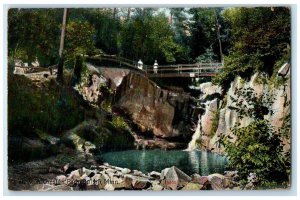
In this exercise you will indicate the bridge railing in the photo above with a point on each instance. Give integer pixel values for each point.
(187, 70)
(184, 70)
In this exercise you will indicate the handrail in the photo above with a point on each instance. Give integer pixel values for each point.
(180, 70)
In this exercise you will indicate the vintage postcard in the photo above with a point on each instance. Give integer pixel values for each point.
(149, 99)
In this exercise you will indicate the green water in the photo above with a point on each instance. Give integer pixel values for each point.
(190, 162)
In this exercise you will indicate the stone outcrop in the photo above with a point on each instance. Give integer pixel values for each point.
(91, 135)
(90, 84)
(154, 110)
(206, 134)
(163, 112)
(205, 124)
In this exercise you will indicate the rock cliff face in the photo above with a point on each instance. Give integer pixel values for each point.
(163, 112)
(167, 114)
(219, 119)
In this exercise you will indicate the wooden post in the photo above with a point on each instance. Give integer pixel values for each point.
(60, 69)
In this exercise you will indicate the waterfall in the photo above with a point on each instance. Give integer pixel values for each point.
(193, 144)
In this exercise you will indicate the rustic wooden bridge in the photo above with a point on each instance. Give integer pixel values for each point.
(163, 71)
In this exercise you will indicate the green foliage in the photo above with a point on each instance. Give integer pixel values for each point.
(152, 39)
(119, 122)
(79, 41)
(200, 143)
(275, 80)
(106, 137)
(247, 103)
(107, 28)
(258, 148)
(262, 30)
(237, 64)
(31, 108)
(206, 57)
(285, 130)
(215, 123)
(260, 37)
(34, 33)
(182, 35)
(204, 32)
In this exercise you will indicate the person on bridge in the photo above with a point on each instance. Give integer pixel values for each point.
(140, 64)
(155, 67)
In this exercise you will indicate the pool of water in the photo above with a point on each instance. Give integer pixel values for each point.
(190, 162)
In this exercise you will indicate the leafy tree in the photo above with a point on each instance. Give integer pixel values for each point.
(258, 147)
(151, 36)
(207, 57)
(208, 29)
(79, 40)
(181, 27)
(34, 33)
(260, 37)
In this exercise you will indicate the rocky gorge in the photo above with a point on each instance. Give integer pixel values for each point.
(218, 118)
(165, 115)
(129, 111)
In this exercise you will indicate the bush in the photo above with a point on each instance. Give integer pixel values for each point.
(119, 123)
(31, 108)
(258, 148)
(237, 64)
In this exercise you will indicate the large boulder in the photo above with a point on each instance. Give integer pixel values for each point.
(174, 178)
(156, 186)
(163, 112)
(218, 181)
(135, 182)
(140, 183)
(208, 90)
(155, 174)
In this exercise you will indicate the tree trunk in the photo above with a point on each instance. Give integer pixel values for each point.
(218, 35)
(60, 69)
(128, 13)
(114, 13)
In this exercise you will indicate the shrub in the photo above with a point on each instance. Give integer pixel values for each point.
(119, 123)
(258, 147)
(215, 123)
(31, 108)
